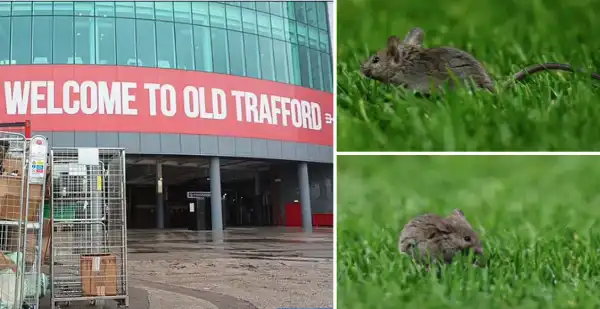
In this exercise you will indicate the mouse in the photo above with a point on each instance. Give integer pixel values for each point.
(430, 238)
(408, 64)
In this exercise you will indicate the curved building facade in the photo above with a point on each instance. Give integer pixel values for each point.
(192, 89)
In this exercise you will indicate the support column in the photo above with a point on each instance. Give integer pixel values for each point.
(160, 203)
(215, 195)
(304, 184)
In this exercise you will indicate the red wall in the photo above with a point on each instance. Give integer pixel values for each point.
(293, 216)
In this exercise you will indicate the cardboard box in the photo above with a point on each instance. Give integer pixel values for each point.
(5, 263)
(11, 192)
(12, 166)
(99, 274)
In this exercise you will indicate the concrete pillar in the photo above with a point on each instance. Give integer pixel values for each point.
(215, 195)
(304, 184)
(160, 202)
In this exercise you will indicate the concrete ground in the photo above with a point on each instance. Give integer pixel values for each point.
(245, 268)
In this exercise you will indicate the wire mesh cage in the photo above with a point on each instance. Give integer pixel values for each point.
(89, 245)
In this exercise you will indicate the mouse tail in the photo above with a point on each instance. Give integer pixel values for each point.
(521, 75)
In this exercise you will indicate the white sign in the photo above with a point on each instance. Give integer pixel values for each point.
(198, 194)
(38, 155)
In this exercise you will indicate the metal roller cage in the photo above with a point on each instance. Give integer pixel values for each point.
(89, 240)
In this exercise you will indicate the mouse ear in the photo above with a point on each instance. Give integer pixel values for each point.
(444, 226)
(415, 37)
(393, 48)
(458, 213)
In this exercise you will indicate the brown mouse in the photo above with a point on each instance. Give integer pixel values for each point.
(409, 64)
(431, 238)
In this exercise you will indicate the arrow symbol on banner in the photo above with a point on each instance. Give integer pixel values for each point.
(328, 118)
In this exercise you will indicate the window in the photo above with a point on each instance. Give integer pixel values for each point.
(313, 37)
(126, 51)
(236, 53)
(290, 31)
(4, 40)
(185, 46)
(146, 44)
(311, 13)
(293, 58)
(264, 24)
(84, 8)
(203, 49)
(200, 13)
(263, 7)
(323, 41)
(166, 49)
(252, 55)
(322, 15)
(300, 12)
(124, 9)
(63, 40)
(21, 8)
(144, 10)
(85, 46)
(217, 14)
(42, 39)
(327, 77)
(21, 49)
(266, 58)
(219, 50)
(305, 78)
(63, 8)
(281, 64)
(277, 8)
(183, 12)
(105, 9)
(42, 8)
(5, 9)
(234, 18)
(302, 34)
(277, 27)
(289, 9)
(248, 4)
(105, 41)
(164, 10)
(315, 69)
(249, 20)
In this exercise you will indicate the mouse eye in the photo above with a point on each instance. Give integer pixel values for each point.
(375, 59)
(467, 238)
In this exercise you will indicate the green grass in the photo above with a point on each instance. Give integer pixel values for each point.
(538, 217)
(549, 112)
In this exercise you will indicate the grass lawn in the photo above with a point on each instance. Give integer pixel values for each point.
(538, 217)
(549, 112)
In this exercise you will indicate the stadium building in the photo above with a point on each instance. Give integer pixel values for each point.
(224, 109)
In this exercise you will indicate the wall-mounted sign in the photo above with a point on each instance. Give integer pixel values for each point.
(197, 194)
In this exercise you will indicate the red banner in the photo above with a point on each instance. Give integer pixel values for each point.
(129, 99)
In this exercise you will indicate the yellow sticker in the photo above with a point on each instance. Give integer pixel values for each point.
(99, 182)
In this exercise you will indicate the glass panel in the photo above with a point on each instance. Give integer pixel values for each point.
(63, 8)
(252, 55)
(311, 13)
(235, 3)
(84, 8)
(313, 37)
(277, 8)
(236, 53)
(219, 50)
(234, 18)
(281, 65)
(63, 40)
(5, 9)
(323, 41)
(300, 12)
(264, 24)
(302, 34)
(315, 69)
(185, 46)
(217, 14)
(249, 4)
(124, 9)
(21, 8)
(263, 7)
(322, 15)
(277, 27)
(4, 40)
(146, 43)
(305, 77)
(266, 58)
(290, 31)
(21, 49)
(105, 41)
(126, 51)
(290, 10)
(84, 40)
(249, 20)
(327, 77)
(144, 10)
(42, 40)
(294, 64)
(105, 9)
(202, 49)
(166, 49)
(42, 8)
(183, 12)
(200, 13)
(164, 10)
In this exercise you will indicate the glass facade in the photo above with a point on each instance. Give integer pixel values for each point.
(287, 42)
